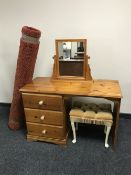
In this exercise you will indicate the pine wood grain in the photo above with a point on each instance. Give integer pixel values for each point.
(94, 88)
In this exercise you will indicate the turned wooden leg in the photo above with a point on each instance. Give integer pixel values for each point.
(107, 135)
(74, 132)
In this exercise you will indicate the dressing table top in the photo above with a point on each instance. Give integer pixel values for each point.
(93, 88)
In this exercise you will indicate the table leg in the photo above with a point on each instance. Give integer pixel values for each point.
(116, 111)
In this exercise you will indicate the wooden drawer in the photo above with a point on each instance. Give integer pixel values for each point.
(44, 116)
(43, 130)
(39, 101)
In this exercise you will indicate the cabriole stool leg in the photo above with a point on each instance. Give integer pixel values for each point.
(107, 135)
(76, 126)
(74, 132)
(105, 129)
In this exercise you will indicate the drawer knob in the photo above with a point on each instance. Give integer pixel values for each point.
(41, 102)
(44, 131)
(42, 117)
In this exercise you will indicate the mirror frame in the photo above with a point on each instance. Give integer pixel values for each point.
(86, 70)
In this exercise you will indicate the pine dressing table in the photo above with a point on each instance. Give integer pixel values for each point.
(47, 100)
(45, 88)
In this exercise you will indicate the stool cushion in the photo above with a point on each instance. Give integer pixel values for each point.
(76, 112)
(92, 113)
(89, 107)
(104, 107)
(89, 114)
(104, 115)
(77, 104)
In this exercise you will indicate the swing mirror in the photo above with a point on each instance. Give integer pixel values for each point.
(70, 59)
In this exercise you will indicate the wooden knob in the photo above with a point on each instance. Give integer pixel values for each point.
(44, 131)
(41, 102)
(42, 117)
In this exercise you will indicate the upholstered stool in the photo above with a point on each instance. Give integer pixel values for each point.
(94, 114)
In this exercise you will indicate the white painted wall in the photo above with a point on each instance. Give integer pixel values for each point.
(106, 24)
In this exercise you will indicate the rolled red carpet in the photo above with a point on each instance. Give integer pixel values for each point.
(29, 45)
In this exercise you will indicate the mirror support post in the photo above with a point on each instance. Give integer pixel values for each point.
(87, 69)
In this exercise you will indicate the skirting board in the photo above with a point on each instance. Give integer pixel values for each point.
(125, 115)
(5, 104)
(122, 115)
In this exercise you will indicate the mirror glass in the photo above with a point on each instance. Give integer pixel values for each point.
(70, 50)
(71, 58)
